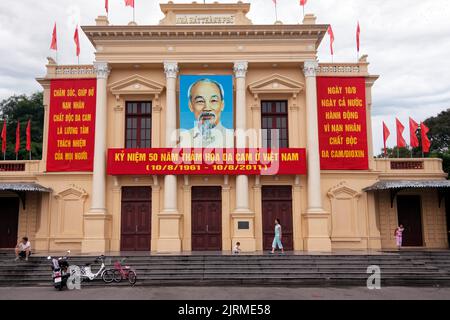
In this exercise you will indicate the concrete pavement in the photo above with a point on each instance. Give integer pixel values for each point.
(224, 293)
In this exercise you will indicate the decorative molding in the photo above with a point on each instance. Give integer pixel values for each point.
(136, 85)
(339, 69)
(342, 188)
(276, 83)
(240, 69)
(101, 69)
(171, 69)
(310, 68)
(72, 190)
(344, 207)
(75, 70)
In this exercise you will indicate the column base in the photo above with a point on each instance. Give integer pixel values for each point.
(317, 232)
(169, 240)
(97, 237)
(247, 244)
(243, 226)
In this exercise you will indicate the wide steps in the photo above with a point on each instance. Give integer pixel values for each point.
(405, 269)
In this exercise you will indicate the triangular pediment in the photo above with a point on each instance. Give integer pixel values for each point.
(136, 84)
(276, 83)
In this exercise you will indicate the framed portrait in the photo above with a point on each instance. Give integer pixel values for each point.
(206, 111)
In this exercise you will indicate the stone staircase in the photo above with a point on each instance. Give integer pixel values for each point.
(398, 269)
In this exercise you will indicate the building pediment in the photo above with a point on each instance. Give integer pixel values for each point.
(276, 83)
(136, 84)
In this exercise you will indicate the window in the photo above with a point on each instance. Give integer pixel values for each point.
(138, 132)
(274, 120)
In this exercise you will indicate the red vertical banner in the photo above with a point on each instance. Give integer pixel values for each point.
(342, 123)
(71, 130)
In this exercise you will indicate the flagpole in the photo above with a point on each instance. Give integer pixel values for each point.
(276, 13)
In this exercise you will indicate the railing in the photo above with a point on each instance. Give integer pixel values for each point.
(429, 165)
(20, 167)
(407, 165)
(12, 167)
(75, 70)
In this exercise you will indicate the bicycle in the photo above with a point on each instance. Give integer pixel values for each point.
(85, 272)
(121, 273)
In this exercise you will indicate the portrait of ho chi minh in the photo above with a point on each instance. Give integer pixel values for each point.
(204, 126)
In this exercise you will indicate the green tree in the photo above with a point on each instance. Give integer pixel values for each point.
(23, 108)
(396, 152)
(439, 132)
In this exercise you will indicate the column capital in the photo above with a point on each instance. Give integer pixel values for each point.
(171, 69)
(310, 68)
(240, 69)
(101, 69)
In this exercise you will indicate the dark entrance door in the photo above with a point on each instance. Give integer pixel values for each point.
(9, 222)
(409, 210)
(136, 219)
(277, 203)
(206, 218)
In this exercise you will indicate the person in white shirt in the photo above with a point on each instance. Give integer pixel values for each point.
(237, 248)
(23, 249)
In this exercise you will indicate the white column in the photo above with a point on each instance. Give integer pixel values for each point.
(312, 133)
(240, 70)
(98, 203)
(170, 182)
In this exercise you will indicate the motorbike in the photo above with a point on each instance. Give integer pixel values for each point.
(60, 272)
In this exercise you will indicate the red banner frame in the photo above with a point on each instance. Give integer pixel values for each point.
(206, 162)
(342, 122)
(71, 129)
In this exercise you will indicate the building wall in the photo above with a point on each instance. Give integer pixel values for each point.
(433, 219)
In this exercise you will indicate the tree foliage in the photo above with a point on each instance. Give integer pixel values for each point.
(23, 108)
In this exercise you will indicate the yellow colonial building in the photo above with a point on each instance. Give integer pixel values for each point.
(274, 75)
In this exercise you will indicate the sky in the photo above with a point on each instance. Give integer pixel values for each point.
(407, 41)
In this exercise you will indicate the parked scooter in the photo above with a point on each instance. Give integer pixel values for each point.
(60, 272)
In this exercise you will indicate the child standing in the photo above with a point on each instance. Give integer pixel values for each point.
(399, 236)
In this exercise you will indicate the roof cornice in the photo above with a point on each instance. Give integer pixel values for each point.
(198, 32)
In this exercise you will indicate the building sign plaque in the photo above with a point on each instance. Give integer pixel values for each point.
(205, 19)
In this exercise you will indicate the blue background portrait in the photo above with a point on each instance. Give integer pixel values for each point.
(187, 119)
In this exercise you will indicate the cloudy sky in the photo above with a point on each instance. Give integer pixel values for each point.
(408, 43)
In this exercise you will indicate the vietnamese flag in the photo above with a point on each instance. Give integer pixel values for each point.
(386, 134)
(76, 38)
(413, 127)
(358, 33)
(426, 144)
(330, 32)
(4, 137)
(303, 2)
(18, 137)
(401, 143)
(106, 6)
(54, 44)
(129, 3)
(29, 136)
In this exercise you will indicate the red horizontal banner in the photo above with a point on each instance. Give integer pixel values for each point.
(206, 161)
